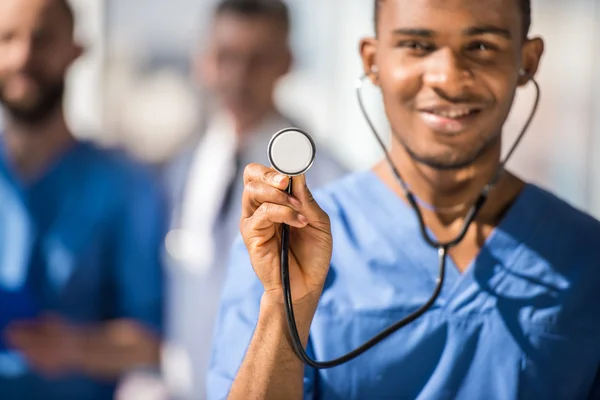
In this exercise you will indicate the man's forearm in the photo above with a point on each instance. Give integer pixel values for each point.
(271, 369)
(110, 350)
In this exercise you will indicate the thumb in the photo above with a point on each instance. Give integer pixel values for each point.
(301, 191)
(310, 208)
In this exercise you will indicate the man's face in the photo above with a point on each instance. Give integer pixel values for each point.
(448, 72)
(36, 49)
(247, 56)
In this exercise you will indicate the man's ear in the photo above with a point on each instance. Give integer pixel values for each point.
(368, 53)
(203, 70)
(289, 62)
(78, 50)
(531, 55)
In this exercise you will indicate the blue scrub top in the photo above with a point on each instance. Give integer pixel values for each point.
(523, 322)
(83, 241)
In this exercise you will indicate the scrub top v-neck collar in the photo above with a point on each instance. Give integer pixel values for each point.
(53, 167)
(501, 244)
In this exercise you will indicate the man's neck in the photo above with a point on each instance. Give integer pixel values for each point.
(30, 148)
(452, 192)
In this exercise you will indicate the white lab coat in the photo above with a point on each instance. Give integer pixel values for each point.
(198, 254)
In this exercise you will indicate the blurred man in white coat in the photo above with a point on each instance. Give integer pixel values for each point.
(248, 53)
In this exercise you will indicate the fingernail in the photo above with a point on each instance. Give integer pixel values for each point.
(295, 202)
(279, 179)
(302, 219)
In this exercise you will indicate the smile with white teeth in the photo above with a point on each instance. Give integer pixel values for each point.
(449, 121)
(452, 114)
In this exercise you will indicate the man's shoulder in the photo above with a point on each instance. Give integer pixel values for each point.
(348, 191)
(115, 158)
(118, 169)
(561, 234)
(557, 213)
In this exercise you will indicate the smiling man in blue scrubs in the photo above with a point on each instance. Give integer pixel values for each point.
(517, 317)
(81, 286)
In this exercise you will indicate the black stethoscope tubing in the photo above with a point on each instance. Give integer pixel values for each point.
(442, 248)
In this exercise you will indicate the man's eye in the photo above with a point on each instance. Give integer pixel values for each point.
(480, 46)
(421, 47)
(6, 37)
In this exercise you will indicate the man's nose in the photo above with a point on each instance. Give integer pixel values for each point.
(447, 73)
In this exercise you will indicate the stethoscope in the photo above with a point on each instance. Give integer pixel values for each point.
(292, 151)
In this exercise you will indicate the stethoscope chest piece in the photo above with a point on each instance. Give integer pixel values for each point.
(291, 151)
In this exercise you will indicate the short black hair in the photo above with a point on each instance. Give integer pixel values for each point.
(524, 4)
(277, 10)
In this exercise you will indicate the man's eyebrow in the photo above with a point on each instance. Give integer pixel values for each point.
(414, 32)
(472, 31)
(488, 30)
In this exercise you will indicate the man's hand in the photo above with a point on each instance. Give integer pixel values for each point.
(265, 206)
(49, 344)
(56, 348)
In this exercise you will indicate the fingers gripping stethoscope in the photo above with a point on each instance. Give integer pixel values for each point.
(291, 152)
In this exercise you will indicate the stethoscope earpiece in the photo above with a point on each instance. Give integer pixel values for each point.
(525, 75)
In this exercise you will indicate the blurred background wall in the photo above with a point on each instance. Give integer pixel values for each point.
(135, 86)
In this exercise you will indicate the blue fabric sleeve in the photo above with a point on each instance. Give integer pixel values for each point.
(139, 271)
(238, 315)
(594, 393)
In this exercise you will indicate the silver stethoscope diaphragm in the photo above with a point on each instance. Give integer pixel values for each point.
(291, 151)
